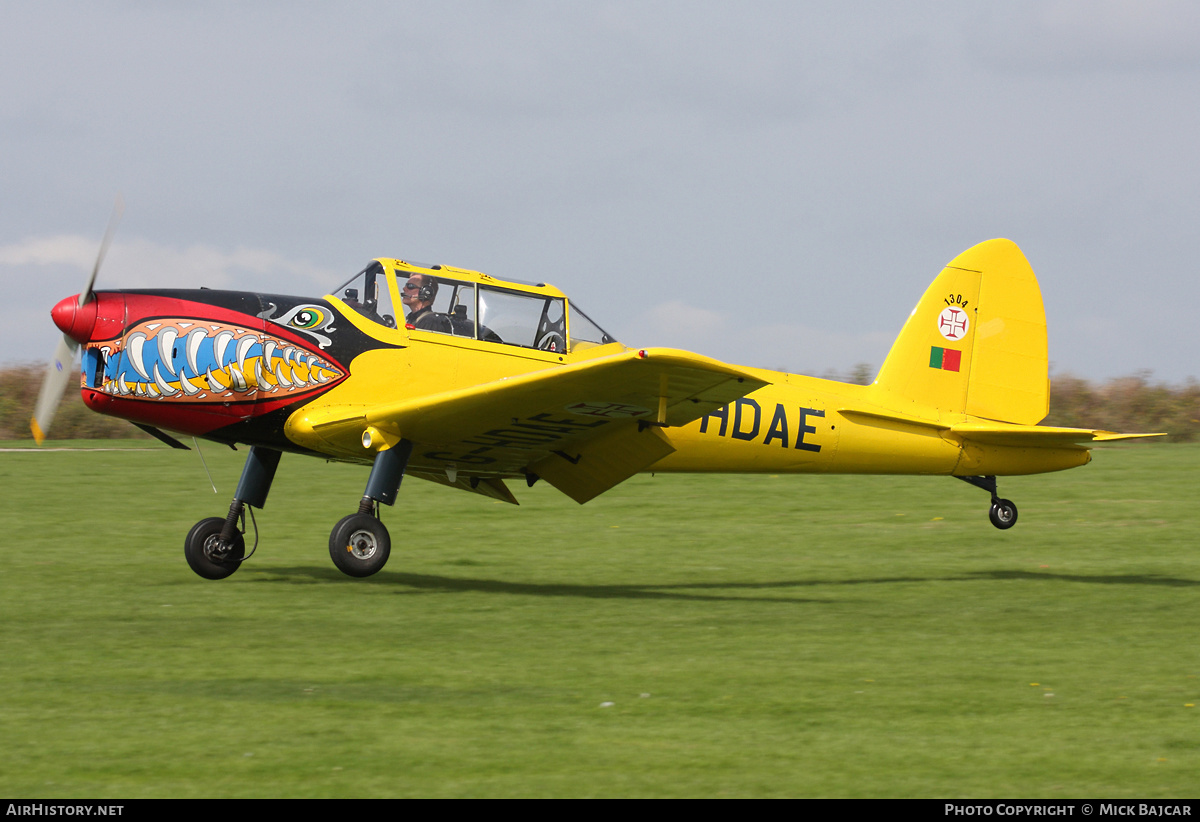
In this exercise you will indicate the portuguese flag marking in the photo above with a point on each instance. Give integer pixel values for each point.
(946, 359)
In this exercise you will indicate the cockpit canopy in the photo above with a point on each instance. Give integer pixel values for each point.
(468, 304)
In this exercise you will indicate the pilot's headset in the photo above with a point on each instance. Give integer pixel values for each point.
(428, 291)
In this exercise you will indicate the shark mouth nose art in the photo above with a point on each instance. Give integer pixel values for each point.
(202, 361)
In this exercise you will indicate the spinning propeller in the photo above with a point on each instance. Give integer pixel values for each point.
(58, 373)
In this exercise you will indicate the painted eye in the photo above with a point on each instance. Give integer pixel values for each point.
(308, 318)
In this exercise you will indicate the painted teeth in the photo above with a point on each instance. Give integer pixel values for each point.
(220, 343)
(188, 388)
(238, 380)
(243, 348)
(174, 364)
(261, 378)
(192, 348)
(163, 387)
(215, 385)
(280, 378)
(166, 349)
(301, 370)
(135, 350)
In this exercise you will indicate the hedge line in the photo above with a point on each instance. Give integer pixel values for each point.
(1130, 404)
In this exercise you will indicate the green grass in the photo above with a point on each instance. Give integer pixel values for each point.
(755, 636)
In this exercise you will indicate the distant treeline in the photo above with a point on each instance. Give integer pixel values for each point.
(1130, 404)
(19, 386)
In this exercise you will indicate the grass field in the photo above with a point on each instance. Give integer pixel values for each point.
(679, 636)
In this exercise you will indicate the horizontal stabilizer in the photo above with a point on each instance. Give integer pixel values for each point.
(1037, 436)
(886, 419)
(997, 433)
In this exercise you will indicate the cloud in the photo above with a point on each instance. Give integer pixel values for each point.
(74, 251)
(146, 264)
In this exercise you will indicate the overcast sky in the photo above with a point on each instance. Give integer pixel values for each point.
(773, 184)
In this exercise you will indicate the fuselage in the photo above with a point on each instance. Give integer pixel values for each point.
(800, 424)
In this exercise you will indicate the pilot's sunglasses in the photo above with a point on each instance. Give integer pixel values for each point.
(411, 287)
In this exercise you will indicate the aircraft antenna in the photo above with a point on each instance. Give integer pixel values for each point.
(207, 473)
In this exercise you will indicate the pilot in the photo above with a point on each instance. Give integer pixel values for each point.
(419, 294)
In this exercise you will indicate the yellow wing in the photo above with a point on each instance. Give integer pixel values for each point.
(583, 428)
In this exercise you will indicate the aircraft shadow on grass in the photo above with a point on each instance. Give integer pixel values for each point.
(1094, 579)
(693, 591)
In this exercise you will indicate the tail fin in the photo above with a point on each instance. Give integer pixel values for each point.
(975, 343)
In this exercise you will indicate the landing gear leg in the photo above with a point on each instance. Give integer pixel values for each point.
(215, 547)
(359, 544)
(1003, 513)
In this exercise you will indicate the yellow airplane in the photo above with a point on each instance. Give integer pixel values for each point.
(486, 380)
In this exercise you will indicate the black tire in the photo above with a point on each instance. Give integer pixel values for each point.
(204, 553)
(1003, 514)
(359, 545)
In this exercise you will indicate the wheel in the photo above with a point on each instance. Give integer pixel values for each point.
(359, 545)
(1003, 514)
(205, 554)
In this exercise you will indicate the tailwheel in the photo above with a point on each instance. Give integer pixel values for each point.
(1003, 513)
(210, 556)
(359, 545)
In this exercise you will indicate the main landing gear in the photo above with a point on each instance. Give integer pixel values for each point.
(215, 547)
(359, 544)
(1003, 513)
(210, 555)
